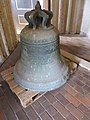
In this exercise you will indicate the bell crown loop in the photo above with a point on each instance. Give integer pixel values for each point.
(38, 6)
(38, 18)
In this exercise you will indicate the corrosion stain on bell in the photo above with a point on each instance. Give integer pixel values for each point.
(41, 67)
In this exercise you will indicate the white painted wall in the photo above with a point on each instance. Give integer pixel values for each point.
(85, 27)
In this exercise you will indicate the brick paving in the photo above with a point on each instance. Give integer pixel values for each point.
(70, 102)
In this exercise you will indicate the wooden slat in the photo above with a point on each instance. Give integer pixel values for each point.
(7, 71)
(12, 84)
(7, 4)
(75, 59)
(25, 96)
(8, 24)
(8, 77)
(45, 4)
(17, 90)
(68, 17)
(5, 25)
(74, 16)
(49, 4)
(79, 21)
(2, 57)
(2, 47)
(63, 15)
(55, 9)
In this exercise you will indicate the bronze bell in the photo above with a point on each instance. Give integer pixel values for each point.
(41, 67)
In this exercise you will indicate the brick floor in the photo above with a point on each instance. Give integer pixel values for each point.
(70, 102)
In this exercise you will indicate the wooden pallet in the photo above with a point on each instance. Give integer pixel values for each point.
(26, 97)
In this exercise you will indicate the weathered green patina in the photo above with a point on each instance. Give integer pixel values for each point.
(41, 67)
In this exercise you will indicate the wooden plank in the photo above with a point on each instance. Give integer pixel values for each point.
(63, 15)
(12, 84)
(8, 77)
(68, 17)
(79, 21)
(5, 25)
(2, 57)
(7, 71)
(80, 61)
(17, 90)
(55, 9)
(49, 5)
(45, 4)
(85, 64)
(25, 96)
(74, 16)
(2, 47)
(70, 56)
(7, 4)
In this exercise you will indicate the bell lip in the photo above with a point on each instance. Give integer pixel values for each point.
(39, 87)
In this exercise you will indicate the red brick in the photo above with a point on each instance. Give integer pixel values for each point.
(72, 77)
(62, 99)
(4, 86)
(7, 110)
(27, 108)
(37, 107)
(63, 91)
(2, 116)
(21, 115)
(32, 114)
(85, 118)
(58, 116)
(84, 70)
(77, 81)
(38, 118)
(72, 83)
(80, 90)
(69, 89)
(78, 72)
(12, 100)
(61, 109)
(86, 76)
(10, 115)
(1, 92)
(76, 113)
(41, 99)
(83, 99)
(85, 110)
(51, 110)
(88, 83)
(88, 96)
(45, 104)
(50, 97)
(55, 92)
(72, 99)
(87, 88)
(84, 80)
(45, 116)
(71, 117)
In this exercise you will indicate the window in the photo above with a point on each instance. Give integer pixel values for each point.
(19, 7)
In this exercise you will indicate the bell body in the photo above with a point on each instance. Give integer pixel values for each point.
(41, 67)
